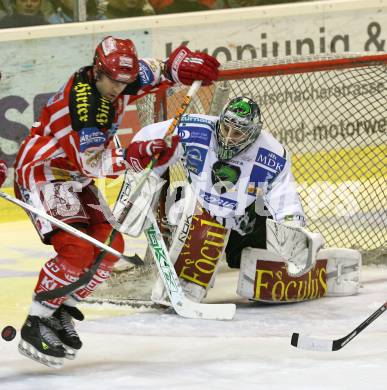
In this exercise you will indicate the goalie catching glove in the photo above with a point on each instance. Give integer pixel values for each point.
(139, 154)
(185, 66)
(3, 172)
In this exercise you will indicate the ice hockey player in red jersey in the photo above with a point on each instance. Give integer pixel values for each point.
(57, 162)
(3, 172)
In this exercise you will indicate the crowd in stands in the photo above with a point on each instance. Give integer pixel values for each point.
(22, 13)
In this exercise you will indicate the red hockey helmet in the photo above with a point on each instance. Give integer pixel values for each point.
(117, 58)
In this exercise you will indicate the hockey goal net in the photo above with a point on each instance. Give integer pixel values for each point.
(330, 113)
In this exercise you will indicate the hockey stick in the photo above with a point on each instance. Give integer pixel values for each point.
(312, 344)
(70, 229)
(181, 304)
(86, 277)
(135, 260)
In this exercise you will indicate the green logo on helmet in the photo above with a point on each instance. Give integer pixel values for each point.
(241, 108)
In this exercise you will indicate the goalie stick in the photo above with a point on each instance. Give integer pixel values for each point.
(313, 344)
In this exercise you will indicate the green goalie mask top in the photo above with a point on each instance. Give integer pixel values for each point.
(238, 127)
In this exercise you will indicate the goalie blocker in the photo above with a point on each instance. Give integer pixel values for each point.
(199, 242)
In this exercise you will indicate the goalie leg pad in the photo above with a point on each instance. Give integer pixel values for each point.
(343, 271)
(199, 258)
(263, 277)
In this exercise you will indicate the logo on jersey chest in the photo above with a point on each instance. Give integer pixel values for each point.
(218, 200)
(194, 134)
(224, 176)
(270, 160)
(91, 137)
(267, 167)
(194, 159)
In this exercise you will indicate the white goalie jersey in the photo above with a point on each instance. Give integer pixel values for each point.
(261, 173)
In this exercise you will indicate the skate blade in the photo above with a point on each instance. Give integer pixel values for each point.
(70, 353)
(31, 352)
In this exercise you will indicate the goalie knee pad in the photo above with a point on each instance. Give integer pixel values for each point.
(263, 276)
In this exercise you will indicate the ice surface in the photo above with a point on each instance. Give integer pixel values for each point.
(127, 348)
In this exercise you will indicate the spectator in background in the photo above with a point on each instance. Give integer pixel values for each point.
(128, 8)
(3, 9)
(251, 3)
(3, 12)
(25, 13)
(241, 3)
(177, 6)
(63, 11)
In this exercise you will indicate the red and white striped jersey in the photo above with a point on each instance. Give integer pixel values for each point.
(70, 140)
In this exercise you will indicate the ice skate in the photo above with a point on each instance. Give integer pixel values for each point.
(67, 333)
(39, 341)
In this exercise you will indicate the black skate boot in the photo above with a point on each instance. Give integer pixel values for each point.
(67, 333)
(39, 341)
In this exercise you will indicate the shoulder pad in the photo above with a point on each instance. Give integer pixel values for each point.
(150, 71)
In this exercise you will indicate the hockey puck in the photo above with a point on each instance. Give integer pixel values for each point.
(8, 333)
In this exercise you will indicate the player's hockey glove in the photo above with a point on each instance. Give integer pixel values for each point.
(184, 66)
(140, 153)
(3, 172)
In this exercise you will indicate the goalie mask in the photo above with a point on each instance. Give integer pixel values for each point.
(238, 127)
